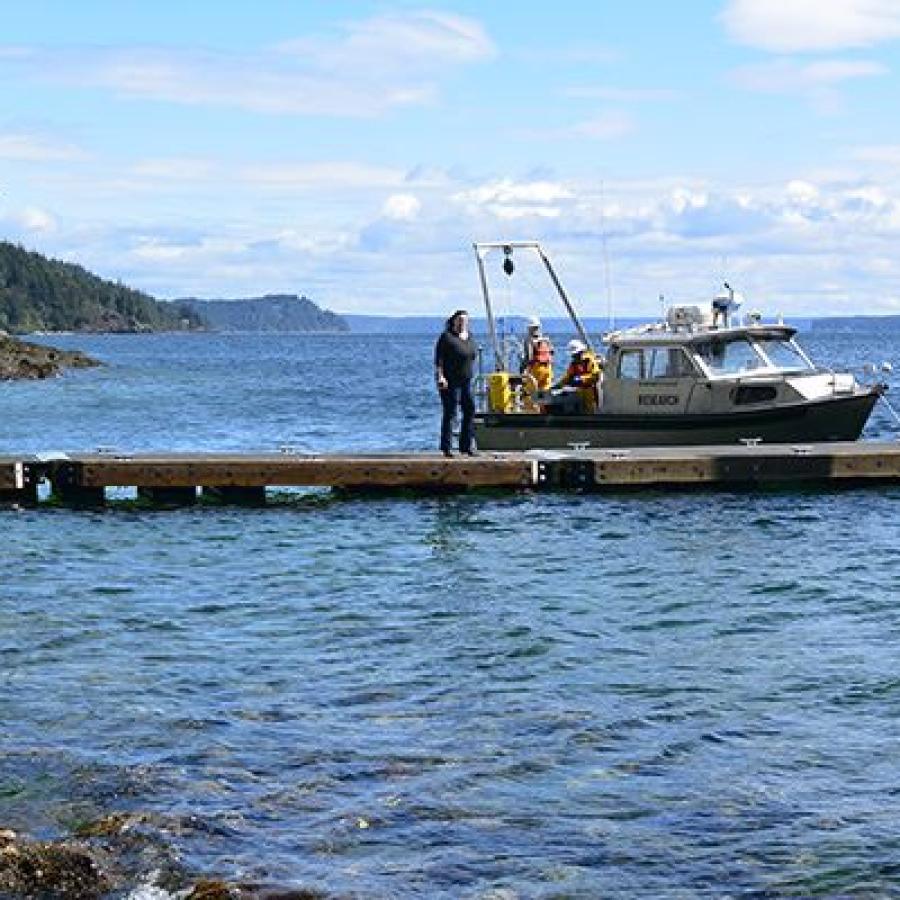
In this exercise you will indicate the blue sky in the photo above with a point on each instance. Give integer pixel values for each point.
(352, 151)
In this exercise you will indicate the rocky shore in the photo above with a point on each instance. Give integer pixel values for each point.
(24, 360)
(115, 857)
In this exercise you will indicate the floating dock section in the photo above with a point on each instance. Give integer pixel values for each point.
(181, 478)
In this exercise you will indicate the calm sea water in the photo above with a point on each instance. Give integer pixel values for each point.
(653, 694)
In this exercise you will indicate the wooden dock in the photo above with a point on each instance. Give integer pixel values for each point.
(181, 478)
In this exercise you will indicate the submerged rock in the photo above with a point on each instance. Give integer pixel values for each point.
(61, 869)
(211, 890)
(24, 360)
(111, 856)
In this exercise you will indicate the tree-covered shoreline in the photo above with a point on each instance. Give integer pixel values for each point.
(42, 294)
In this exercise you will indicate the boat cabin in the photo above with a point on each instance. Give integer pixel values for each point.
(704, 368)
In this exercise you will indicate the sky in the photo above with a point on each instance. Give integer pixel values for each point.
(353, 151)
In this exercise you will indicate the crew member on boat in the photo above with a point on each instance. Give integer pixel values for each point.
(537, 355)
(583, 374)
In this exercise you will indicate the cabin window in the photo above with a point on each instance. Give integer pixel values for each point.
(669, 362)
(730, 357)
(631, 364)
(754, 393)
(784, 354)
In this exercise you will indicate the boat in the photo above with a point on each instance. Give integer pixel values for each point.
(701, 376)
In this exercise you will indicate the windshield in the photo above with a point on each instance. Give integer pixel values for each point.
(784, 354)
(730, 357)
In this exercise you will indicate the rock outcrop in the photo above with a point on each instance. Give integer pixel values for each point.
(24, 360)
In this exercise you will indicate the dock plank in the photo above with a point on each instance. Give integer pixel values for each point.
(234, 477)
(762, 463)
(281, 470)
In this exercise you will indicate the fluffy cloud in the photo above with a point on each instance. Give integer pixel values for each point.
(29, 223)
(368, 68)
(816, 82)
(318, 175)
(789, 26)
(170, 169)
(508, 199)
(886, 154)
(402, 207)
(808, 237)
(606, 127)
(33, 148)
(424, 40)
(622, 95)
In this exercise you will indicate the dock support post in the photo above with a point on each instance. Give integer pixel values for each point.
(169, 496)
(26, 496)
(237, 496)
(19, 483)
(66, 487)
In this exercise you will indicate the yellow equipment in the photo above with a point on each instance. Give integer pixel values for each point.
(500, 392)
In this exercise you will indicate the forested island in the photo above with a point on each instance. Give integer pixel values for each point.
(273, 312)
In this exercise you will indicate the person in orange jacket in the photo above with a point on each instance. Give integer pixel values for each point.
(583, 373)
(537, 363)
(537, 355)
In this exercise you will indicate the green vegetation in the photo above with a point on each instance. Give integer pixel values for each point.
(41, 294)
(274, 312)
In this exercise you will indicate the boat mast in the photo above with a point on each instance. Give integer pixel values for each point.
(492, 330)
(481, 250)
(564, 297)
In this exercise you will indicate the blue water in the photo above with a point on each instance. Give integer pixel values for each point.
(652, 694)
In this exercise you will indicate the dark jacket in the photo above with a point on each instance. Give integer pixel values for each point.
(455, 356)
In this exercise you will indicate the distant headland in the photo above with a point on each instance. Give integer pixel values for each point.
(38, 294)
(273, 312)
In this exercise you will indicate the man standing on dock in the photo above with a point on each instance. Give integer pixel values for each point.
(454, 359)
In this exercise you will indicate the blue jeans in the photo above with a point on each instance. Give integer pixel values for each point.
(455, 396)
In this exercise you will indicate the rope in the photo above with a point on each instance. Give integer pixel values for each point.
(890, 406)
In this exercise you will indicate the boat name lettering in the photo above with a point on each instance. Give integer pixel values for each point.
(658, 400)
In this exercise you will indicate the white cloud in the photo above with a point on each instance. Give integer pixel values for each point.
(789, 26)
(30, 221)
(402, 207)
(606, 127)
(424, 39)
(370, 67)
(583, 53)
(808, 240)
(802, 192)
(174, 169)
(816, 82)
(33, 148)
(508, 199)
(622, 95)
(887, 154)
(509, 191)
(783, 76)
(317, 175)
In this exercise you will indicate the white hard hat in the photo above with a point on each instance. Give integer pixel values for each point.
(534, 322)
(576, 346)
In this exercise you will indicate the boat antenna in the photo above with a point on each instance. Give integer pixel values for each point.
(604, 245)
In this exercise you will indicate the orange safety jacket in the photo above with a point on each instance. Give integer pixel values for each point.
(540, 365)
(541, 352)
(584, 374)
